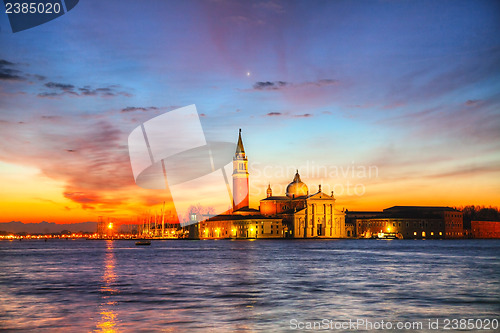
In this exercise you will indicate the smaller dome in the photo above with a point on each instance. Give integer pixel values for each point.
(296, 188)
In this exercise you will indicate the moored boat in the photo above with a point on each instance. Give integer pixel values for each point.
(387, 235)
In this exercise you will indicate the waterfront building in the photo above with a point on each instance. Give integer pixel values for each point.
(408, 222)
(298, 214)
(241, 224)
(485, 229)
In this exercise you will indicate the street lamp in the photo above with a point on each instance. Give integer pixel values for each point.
(110, 229)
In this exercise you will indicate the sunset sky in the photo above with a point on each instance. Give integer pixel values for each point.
(407, 89)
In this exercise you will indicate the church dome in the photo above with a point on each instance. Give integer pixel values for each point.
(296, 188)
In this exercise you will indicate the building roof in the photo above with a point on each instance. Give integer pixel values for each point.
(246, 211)
(233, 217)
(277, 197)
(419, 208)
(283, 198)
(362, 213)
(296, 188)
(321, 195)
(403, 212)
(417, 211)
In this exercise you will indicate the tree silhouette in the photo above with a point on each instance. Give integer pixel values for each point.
(479, 213)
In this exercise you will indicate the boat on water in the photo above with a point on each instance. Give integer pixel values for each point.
(143, 242)
(387, 235)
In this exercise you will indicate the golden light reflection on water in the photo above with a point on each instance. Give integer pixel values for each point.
(108, 318)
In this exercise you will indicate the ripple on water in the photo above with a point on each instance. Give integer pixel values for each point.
(241, 286)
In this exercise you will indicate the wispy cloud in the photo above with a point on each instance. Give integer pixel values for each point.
(468, 171)
(110, 91)
(281, 85)
(267, 85)
(135, 108)
(272, 6)
(289, 115)
(470, 122)
(472, 102)
(60, 89)
(88, 156)
(82, 197)
(52, 118)
(438, 80)
(61, 86)
(8, 73)
(244, 20)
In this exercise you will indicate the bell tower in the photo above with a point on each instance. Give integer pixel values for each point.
(240, 176)
(269, 191)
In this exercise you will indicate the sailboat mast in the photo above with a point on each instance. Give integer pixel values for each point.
(163, 220)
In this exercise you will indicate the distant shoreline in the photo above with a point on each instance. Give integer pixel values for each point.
(281, 239)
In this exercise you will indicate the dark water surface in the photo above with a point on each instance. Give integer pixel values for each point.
(185, 286)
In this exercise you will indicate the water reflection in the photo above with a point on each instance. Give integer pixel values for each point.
(227, 286)
(108, 319)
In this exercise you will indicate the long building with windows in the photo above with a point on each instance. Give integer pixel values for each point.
(485, 229)
(297, 214)
(407, 222)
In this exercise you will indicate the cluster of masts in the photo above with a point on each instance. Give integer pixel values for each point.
(154, 225)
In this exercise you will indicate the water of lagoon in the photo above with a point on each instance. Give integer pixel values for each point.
(186, 286)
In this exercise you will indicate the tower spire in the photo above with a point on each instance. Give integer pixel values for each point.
(239, 147)
(240, 176)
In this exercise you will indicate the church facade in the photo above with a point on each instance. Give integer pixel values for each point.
(305, 215)
(297, 214)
